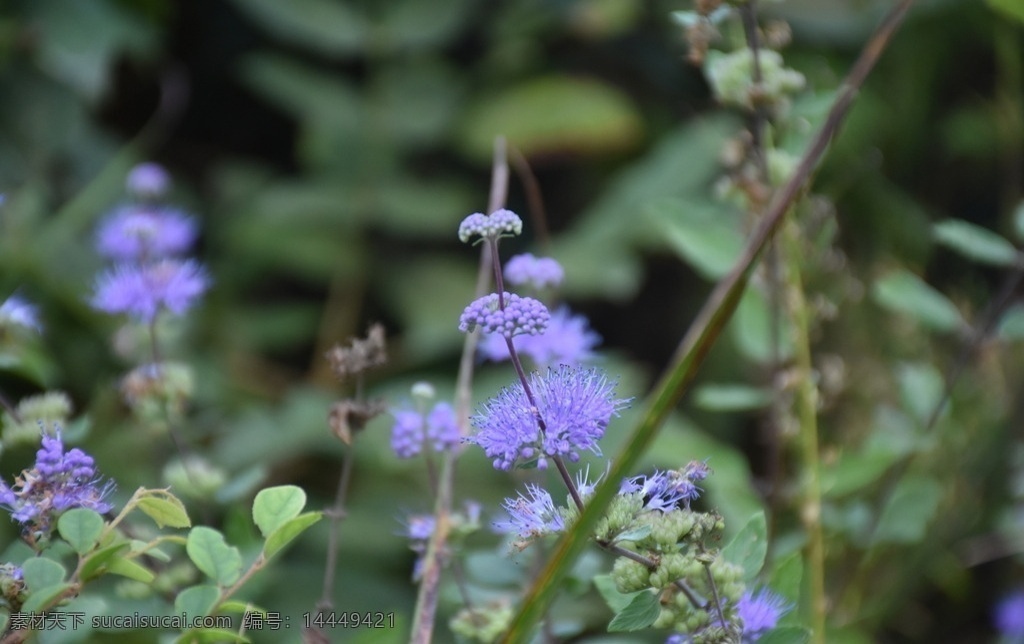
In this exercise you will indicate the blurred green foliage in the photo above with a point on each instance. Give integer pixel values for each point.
(330, 149)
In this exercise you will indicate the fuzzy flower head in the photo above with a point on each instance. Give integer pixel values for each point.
(520, 315)
(148, 181)
(760, 612)
(145, 232)
(497, 224)
(17, 313)
(568, 339)
(1009, 616)
(412, 430)
(667, 491)
(575, 406)
(58, 481)
(538, 272)
(531, 516)
(143, 291)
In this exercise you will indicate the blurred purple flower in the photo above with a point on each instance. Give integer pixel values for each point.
(411, 430)
(539, 272)
(568, 340)
(17, 311)
(148, 181)
(143, 291)
(760, 612)
(1009, 615)
(141, 232)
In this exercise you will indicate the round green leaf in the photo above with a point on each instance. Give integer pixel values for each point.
(212, 555)
(40, 572)
(904, 292)
(80, 527)
(197, 601)
(284, 534)
(975, 242)
(44, 598)
(641, 612)
(166, 510)
(275, 506)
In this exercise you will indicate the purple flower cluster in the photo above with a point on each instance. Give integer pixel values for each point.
(57, 482)
(520, 315)
(667, 491)
(16, 311)
(1009, 616)
(531, 516)
(412, 430)
(568, 339)
(574, 404)
(538, 272)
(498, 223)
(147, 240)
(758, 613)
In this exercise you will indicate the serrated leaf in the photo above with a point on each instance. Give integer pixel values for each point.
(975, 242)
(904, 292)
(166, 511)
(197, 601)
(284, 534)
(554, 114)
(749, 547)
(131, 569)
(786, 635)
(731, 397)
(40, 572)
(80, 527)
(210, 553)
(911, 508)
(275, 506)
(41, 600)
(641, 612)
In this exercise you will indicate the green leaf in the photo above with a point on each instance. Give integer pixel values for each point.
(166, 510)
(212, 555)
(95, 563)
(211, 635)
(975, 242)
(729, 397)
(787, 577)
(40, 572)
(786, 635)
(904, 292)
(555, 114)
(641, 612)
(1012, 9)
(43, 599)
(921, 386)
(751, 330)
(80, 527)
(911, 508)
(323, 26)
(284, 534)
(197, 601)
(636, 534)
(702, 235)
(131, 569)
(616, 601)
(275, 506)
(1011, 325)
(749, 547)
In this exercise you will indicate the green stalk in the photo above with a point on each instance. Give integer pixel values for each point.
(806, 397)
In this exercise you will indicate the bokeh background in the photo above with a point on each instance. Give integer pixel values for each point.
(330, 149)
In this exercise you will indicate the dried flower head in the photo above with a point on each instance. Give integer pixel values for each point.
(360, 355)
(348, 417)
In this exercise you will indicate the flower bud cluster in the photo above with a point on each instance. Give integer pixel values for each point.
(498, 223)
(731, 76)
(518, 315)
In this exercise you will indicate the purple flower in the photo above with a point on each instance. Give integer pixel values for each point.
(490, 226)
(567, 340)
(148, 181)
(667, 491)
(57, 482)
(532, 516)
(143, 291)
(1009, 615)
(574, 404)
(520, 315)
(538, 272)
(760, 612)
(17, 312)
(411, 430)
(145, 232)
